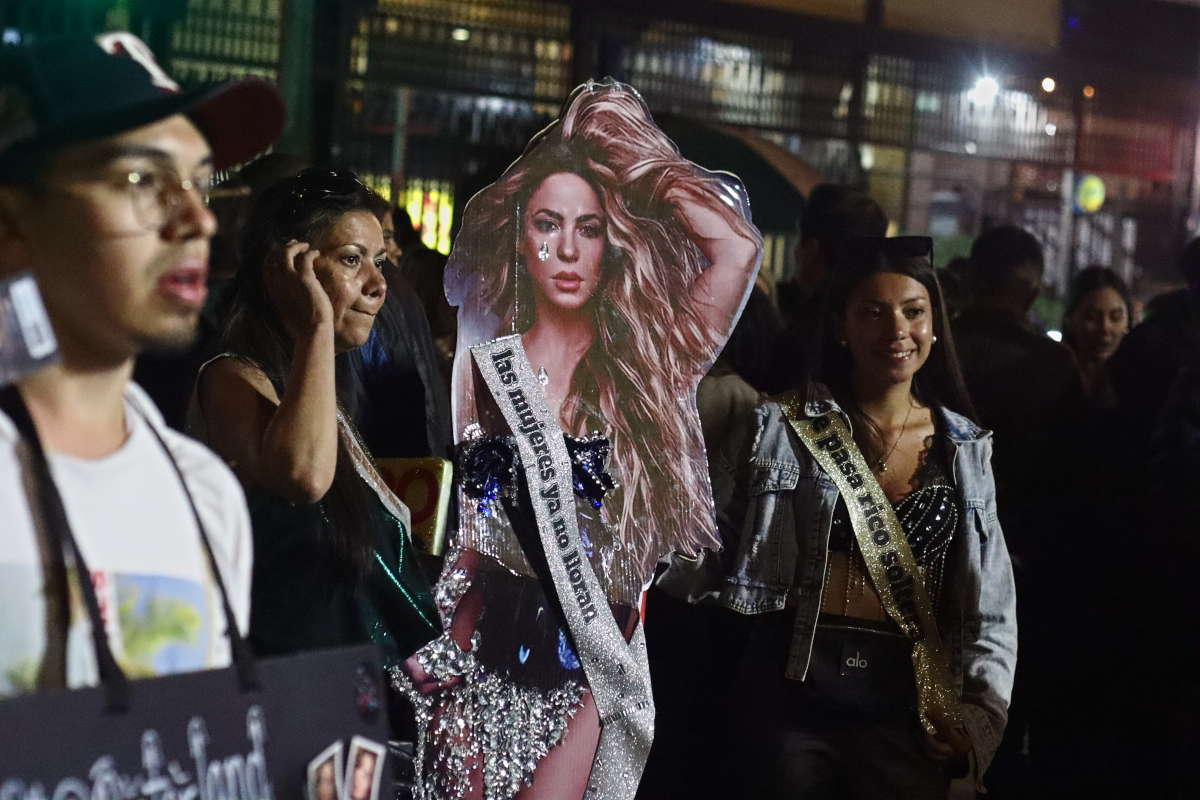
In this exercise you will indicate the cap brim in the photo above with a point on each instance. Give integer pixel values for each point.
(240, 119)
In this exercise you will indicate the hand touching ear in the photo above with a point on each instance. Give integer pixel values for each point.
(293, 287)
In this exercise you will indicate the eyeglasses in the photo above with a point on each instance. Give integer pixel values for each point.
(158, 194)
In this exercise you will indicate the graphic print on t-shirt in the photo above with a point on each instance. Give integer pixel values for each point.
(161, 625)
(164, 624)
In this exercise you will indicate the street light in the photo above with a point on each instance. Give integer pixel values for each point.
(1089, 92)
(1048, 85)
(460, 34)
(985, 91)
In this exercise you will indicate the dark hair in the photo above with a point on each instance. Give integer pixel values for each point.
(1189, 263)
(939, 381)
(833, 211)
(748, 349)
(1001, 255)
(304, 208)
(405, 232)
(1093, 279)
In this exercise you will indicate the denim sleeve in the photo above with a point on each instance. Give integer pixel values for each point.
(699, 579)
(990, 652)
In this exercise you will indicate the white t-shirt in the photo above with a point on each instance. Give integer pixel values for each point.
(133, 524)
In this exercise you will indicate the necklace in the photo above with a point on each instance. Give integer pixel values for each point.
(881, 465)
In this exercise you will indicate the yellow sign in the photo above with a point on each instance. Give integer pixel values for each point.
(1089, 193)
(424, 486)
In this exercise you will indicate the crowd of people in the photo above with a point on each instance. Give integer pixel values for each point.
(1046, 490)
(1095, 459)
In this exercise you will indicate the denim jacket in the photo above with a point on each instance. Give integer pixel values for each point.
(774, 510)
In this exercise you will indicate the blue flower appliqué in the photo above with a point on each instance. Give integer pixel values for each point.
(566, 656)
(487, 469)
(589, 476)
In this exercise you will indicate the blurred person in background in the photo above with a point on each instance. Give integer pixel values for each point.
(1120, 720)
(402, 407)
(1154, 355)
(831, 212)
(956, 284)
(1026, 389)
(1097, 318)
(696, 648)
(425, 270)
(1021, 382)
(334, 561)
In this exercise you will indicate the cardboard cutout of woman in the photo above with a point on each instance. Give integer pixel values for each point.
(604, 272)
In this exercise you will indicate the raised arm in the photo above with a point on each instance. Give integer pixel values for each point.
(732, 247)
(287, 445)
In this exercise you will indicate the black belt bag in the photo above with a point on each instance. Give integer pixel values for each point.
(860, 672)
(247, 732)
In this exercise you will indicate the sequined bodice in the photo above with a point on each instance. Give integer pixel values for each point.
(928, 515)
(490, 469)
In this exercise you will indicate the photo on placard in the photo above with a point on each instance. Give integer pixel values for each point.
(325, 774)
(364, 769)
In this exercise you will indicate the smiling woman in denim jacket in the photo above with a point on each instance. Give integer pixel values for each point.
(826, 695)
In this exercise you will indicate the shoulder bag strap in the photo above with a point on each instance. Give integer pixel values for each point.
(885, 550)
(62, 542)
(239, 648)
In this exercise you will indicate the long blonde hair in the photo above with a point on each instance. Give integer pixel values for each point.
(652, 344)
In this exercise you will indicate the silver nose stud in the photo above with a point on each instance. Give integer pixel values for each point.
(544, 252)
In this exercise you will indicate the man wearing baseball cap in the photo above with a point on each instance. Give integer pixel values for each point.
(104, 172)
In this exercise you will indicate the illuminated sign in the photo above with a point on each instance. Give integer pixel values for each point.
(1089, 194)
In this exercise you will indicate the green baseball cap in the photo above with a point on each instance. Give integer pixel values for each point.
(65, 90)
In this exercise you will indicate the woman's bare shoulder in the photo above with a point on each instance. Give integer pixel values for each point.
(227, 375)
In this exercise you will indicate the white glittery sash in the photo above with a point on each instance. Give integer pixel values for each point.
(618, 673)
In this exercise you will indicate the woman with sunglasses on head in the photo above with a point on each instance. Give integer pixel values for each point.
(829, 684)
(333, 555)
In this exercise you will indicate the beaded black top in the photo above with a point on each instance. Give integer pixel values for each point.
(929, 516)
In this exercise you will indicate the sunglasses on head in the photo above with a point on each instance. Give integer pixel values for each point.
(861, 250)
(319, 184)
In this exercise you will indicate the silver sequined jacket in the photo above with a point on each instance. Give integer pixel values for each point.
(774, 509)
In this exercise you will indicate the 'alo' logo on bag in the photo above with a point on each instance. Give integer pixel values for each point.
(854, 662)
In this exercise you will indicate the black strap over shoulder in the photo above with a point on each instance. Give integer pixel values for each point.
(239, 648)
(61, 543)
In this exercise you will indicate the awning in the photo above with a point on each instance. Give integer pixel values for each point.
(776, 180)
